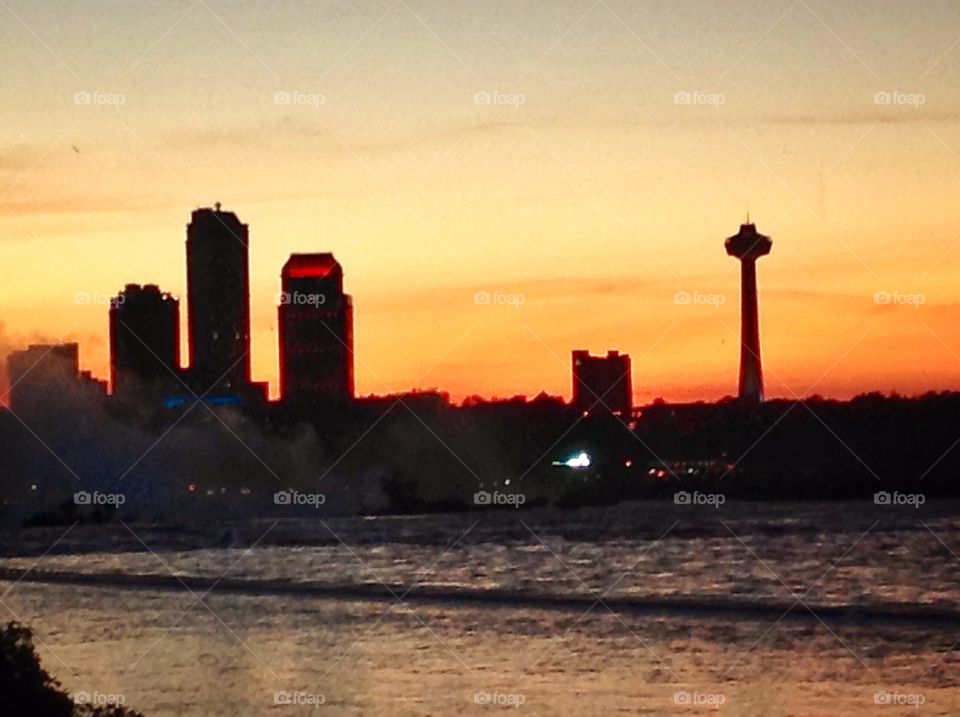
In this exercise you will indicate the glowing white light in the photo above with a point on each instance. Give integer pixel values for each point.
(581, 460)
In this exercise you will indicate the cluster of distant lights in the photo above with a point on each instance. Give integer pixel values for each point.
(664, 472)
(194, 488)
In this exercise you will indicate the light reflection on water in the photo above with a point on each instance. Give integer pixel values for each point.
(430, 660)
(230, 654)
(745, 550)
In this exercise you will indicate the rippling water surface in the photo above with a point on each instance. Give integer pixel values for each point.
(170, 649)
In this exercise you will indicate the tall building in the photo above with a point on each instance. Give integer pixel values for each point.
(144, 341)
(316, 331)
(218, 302)
(602, 383)
(748, 245)
(48, 375)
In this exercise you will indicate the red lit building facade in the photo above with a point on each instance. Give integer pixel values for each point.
(316, 332)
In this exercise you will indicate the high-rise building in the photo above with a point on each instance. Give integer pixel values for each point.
(218, 302)
(316, 331)
(45, 375)
(748, 245)
(602, 383)
(144, 341)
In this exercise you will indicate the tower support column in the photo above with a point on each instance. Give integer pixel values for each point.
(751, 373)
(748, 245)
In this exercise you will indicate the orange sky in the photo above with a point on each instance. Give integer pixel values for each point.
(589, 158)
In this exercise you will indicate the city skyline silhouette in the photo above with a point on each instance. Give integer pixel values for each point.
(749, 346)
(529, 167)
(315, 341)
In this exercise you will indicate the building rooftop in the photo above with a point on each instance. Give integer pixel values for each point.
(205, 214)
(311, 266)
(133, 291)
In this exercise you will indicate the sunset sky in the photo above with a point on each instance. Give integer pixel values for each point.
(588, 156)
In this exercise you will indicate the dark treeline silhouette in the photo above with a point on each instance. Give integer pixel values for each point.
(818, 448)
(416, 453)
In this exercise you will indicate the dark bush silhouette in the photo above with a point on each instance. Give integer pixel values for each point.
(28, 689)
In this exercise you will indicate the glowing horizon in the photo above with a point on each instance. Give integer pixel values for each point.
(591, 160)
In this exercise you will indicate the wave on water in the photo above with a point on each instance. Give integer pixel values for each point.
(728, 608)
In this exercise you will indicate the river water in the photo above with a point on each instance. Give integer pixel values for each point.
(645, 608)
